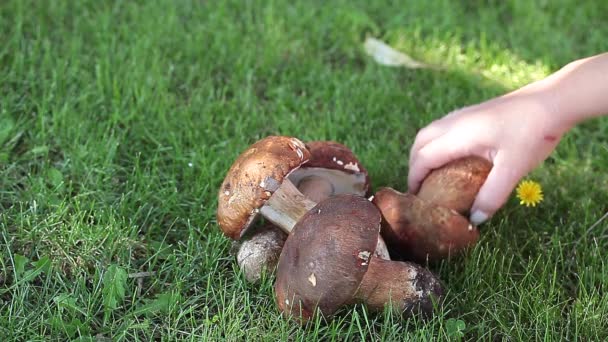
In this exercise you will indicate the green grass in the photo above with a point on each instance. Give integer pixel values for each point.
(119, 119)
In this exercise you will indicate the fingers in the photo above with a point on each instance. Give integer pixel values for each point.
(434, 155)
(430, 133)
(497, 188)
(427, 134)
(434, 130)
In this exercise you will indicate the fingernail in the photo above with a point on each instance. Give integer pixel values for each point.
(478, 217)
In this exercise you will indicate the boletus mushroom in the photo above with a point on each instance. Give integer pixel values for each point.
(328, 262)
(260, 182)
(456, 184)
(431, 225)
(332, 169)
(257, 183)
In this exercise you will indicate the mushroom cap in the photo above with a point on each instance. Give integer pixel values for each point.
(456, 184)
(326, 256)
(336, 163)
(252, 179)
(335, 156)
(419, 230)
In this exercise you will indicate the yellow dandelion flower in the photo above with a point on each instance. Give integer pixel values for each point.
(529, 193)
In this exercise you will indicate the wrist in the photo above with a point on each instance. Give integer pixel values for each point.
(578, 90)
(558, 95)
(545, 98)
(557, 110)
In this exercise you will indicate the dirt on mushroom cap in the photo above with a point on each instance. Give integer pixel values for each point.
(327, 255)
(253, 178)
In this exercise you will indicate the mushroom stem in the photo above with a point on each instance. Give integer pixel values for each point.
(407, 287)
(286, 206)
(260, 252)
(381, 249)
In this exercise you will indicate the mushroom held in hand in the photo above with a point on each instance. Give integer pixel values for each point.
(260, 182)
(328, 262)
(456, 184)
(332, 169)
(430, 225)
(419, 230)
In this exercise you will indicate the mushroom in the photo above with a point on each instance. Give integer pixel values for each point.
(456, 184)
(332, 169)
(257, 183)
(430, 226)
(419, 230)
(328, 263)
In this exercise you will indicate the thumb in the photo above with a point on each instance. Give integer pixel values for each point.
(495, 191)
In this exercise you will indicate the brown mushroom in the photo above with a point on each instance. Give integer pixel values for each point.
(328, 262)
(430, 225)
(456, 184)
(419, 230)
(257, 182)
(259, 253)
(332, 169)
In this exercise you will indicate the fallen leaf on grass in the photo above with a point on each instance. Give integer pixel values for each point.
(384, 54)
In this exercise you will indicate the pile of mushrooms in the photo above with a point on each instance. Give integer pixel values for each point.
(330, 245)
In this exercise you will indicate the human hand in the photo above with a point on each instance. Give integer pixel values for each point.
(515, 132)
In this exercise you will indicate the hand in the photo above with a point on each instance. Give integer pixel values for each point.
(516, 132)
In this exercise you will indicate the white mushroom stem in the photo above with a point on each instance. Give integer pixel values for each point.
(381, 249)
(288, 204)
(260, 252)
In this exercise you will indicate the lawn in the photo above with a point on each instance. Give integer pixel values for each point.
(119, 120)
